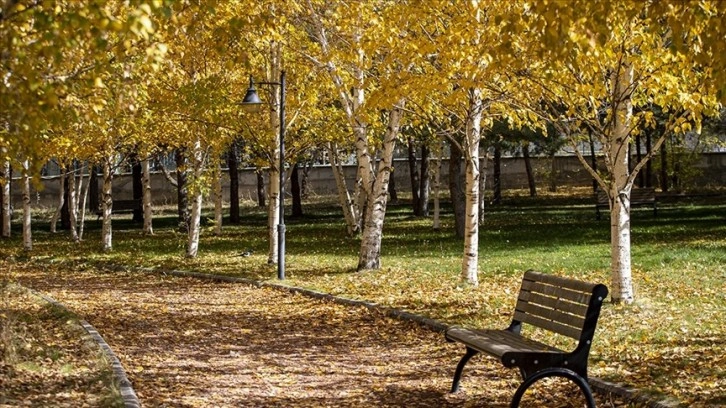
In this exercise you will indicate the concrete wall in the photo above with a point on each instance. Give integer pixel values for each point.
(570, 172)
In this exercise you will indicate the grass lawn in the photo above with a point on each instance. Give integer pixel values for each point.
(671, 342)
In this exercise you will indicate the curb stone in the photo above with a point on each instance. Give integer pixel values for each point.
(600, 386)
(119, 374)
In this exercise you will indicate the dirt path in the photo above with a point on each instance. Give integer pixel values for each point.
(191, 343)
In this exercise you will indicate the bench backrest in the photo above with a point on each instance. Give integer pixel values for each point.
(637, 195)
(565, 306)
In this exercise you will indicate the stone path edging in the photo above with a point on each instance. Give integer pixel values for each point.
(119, 374)
(598, 385)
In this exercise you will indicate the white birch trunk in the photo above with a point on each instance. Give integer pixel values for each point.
(273, 196)
(470, 264)
(82, 209)
(73, 203)
(107, 205)
(218, 200)
(27, 233)
(148, 228)
(61, 200)
(195, 192)
(7, 214)
(370, 250)
(346, 202)
(621, 273)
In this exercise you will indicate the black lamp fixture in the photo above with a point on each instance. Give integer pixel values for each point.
(253, 103)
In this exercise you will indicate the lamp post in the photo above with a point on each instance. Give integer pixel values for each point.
(251, 99)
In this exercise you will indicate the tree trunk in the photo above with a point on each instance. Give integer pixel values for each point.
(622, 286)
(470, 263)
(93, 204)
(273, 207)
(194, 225)
(6, 204)
(392, 193)
(137, 187)
(423, 190)
(530, 172)
(497, 197)
(344, 198)
(370, 249)
(233, 184)
(107, 205)
(261, 194)
(65, 215)
(73, 202)
(437, 187)
(415, 181)
(638, 158)
(663, 168)
(297, 210)
(82, 206)
(218, 200)
(182, 187)
(456, 189)
(593, 161)
(148, 228)
(484, 169)
(648, 165)
(27, 220)
(61, 200)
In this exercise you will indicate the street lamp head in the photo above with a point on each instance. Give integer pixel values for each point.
(251, 101)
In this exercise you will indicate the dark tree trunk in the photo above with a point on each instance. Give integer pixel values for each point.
(138, 189)
(456, 189)
(423, 191)
(93, 197)
(297, 210)
(233, 184)
(392, 188)
(638, 157)
(528, 167)
(66, 210)
(413, 171)
(648, 167)
(663, 168)
(182, 197)
(497, 190)
(593, 161)
(260, 189)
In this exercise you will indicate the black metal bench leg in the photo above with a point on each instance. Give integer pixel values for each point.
(470, 352)
(554, 372)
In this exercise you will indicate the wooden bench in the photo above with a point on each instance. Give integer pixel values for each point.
(639, 197)
(564, 306)
(122, 206)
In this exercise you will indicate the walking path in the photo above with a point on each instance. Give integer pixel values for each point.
(191, 343)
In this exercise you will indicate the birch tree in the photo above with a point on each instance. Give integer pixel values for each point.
(611, 83)
(349, 41)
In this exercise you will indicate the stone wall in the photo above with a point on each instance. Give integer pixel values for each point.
(712, 169)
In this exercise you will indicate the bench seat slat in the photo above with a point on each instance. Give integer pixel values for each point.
(554, 303)
(497, 342)
(531, 309)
